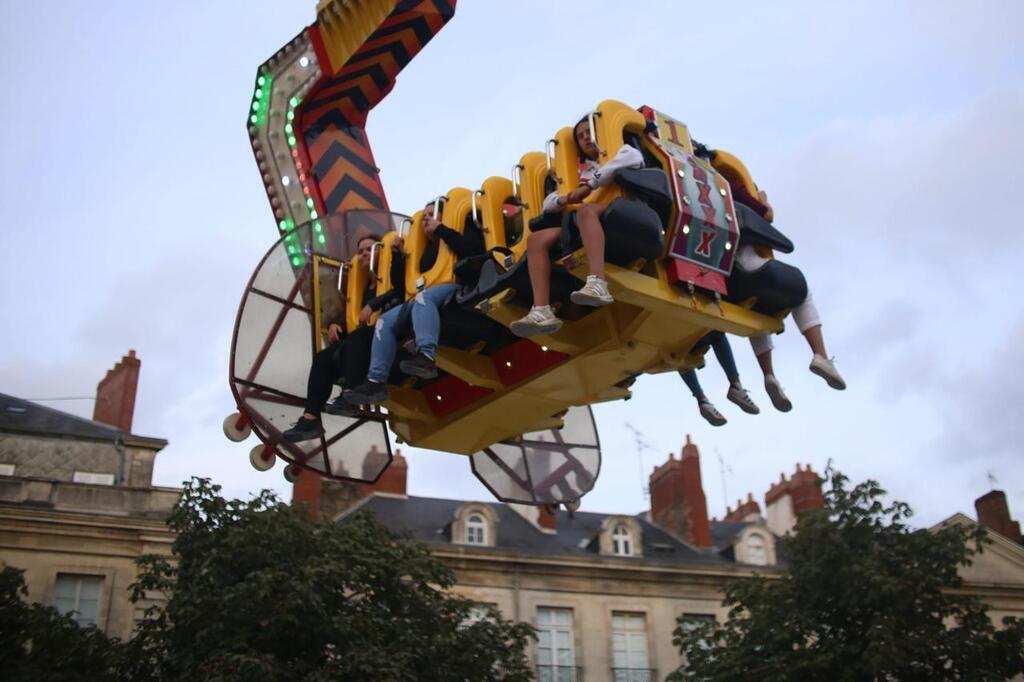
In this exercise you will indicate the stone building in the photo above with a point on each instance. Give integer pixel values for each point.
(77, 503)
(605, 590)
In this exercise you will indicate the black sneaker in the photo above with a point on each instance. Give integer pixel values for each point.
(341, 408)
(369, 393)
(420, 366)
(304, 429)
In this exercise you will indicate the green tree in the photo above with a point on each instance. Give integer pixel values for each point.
(865, 597)
(39, 643)
(259, 590)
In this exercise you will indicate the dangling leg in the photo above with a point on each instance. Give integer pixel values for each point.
(540, 320)
(595, 291)
(707, 409)
(737, 394)
(809, 323)
(762, 346)
(426, 323)
(322, 374)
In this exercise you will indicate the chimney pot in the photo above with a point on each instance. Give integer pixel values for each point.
(115, 394)
(994, 513)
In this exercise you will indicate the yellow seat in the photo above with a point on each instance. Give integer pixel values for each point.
(501, 228)
(532, 172)
(734, 171)
(355, 284)
(458, 204)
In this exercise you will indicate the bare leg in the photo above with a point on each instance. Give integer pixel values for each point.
(815, 340)
(538, 262)
(588, 217)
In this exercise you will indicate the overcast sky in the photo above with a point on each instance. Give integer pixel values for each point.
(888, 135)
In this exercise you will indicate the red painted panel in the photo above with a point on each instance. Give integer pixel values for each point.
(684, 271)
(522, 359)
(449, 394)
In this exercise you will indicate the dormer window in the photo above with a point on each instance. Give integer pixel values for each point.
(757, 554)
(755, 545)
(622, 541)
(620, 536)
(475, 524)
(476, 530)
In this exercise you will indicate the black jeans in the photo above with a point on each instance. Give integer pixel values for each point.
(348, 360)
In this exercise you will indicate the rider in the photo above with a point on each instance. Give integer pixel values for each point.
(540, 319)
(425, 312)
(805, 315)
(347, 356)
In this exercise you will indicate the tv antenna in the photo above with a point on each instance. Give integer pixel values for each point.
(723, 467)
(641, 445)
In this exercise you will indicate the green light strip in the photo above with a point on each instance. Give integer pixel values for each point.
(260, 100)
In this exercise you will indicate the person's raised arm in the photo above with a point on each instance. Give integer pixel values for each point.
(627, 157)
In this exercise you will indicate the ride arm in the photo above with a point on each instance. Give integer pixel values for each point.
(627, 157)
(462, 245)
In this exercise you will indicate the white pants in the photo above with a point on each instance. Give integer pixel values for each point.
(805, 315)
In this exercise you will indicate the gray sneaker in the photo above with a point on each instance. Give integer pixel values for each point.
(775, 392)
(538, 322)
(594, 293)
(826, 369)
(710, 413)
(741, 397)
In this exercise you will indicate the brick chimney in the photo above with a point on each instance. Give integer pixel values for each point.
(546, 516)
(115, 394)
(787, 498)
(745, 511)
(329, 498)
(393, 479)
(677, 497)
(306, 490)
(994, 513)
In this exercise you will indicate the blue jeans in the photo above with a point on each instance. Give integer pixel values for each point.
(426, 323)
(723, 351)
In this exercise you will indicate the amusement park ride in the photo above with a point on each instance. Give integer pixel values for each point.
(519, 408)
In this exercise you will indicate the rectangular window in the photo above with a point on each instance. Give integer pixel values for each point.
(692, 621)
(93, 477)
(478, 612)
(629, 648)
(6, 469)
(79, 594)
(556, 661)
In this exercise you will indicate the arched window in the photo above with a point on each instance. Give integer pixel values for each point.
(476, 530)
(622, 541)
(757, 553)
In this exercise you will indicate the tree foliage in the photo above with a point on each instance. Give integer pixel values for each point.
(259, 590)
(39, 643)
(865, 597)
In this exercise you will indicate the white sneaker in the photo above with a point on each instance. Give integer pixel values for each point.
(709, 412)
(741, 397)
(775, 392)
(594, 293)
(826, 369)
(538, 322)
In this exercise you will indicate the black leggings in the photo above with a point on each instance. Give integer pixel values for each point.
(348, 360)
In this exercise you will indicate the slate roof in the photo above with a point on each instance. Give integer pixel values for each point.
(429, 521)
(22, 416)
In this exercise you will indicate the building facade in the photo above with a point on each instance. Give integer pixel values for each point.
(77, 504)
(606, 591)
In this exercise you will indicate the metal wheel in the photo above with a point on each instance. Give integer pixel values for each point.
(262, 457)
(236, 427)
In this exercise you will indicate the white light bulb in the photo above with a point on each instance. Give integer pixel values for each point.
(304, 62)
(286, 181)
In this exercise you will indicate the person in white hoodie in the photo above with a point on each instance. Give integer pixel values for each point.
(541, 320)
